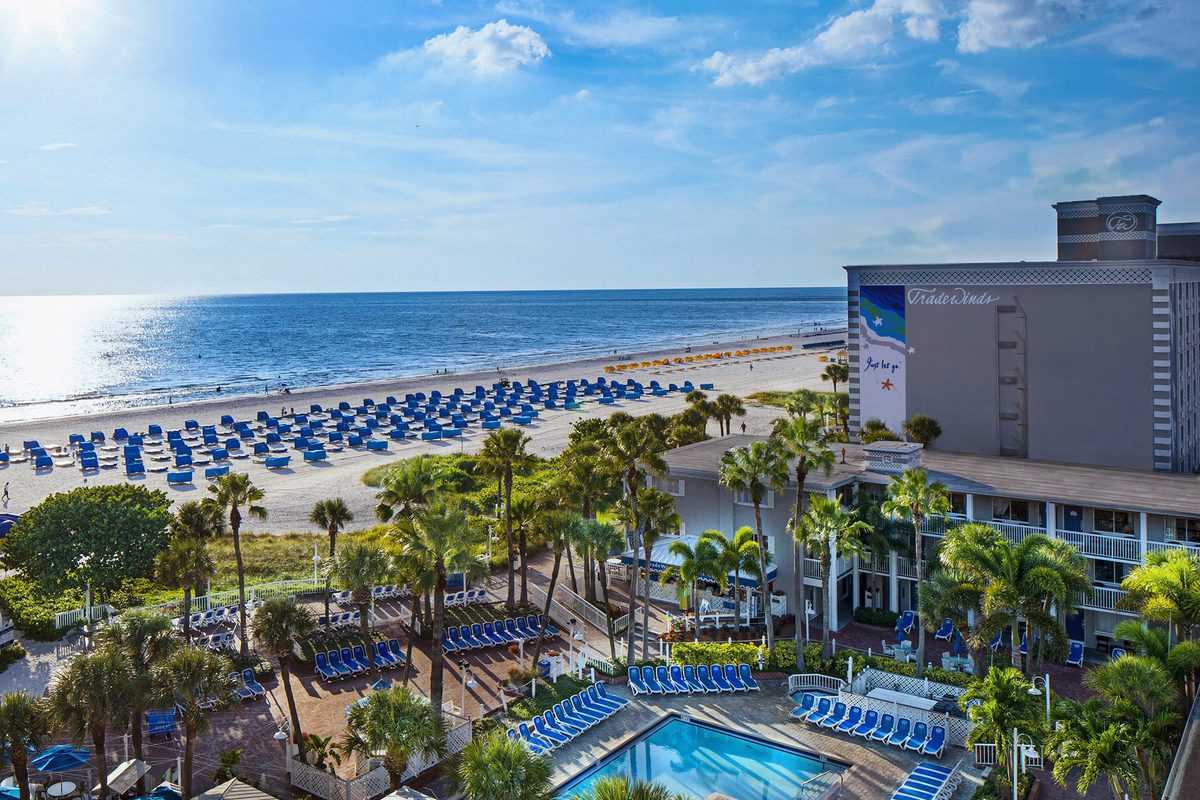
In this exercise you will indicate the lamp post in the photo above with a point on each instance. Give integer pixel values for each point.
(281, 736)
(571, 635)
(468, 682)
(1041, 685)
(83, 562)
(578, 637)
(316, 559)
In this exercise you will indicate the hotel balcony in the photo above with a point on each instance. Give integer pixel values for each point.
(812, 567)
(1104, 598)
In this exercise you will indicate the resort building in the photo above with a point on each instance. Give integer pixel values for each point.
(1090, 359)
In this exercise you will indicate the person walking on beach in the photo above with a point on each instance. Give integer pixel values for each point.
(4, 497)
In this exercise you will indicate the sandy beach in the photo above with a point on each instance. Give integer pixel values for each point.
(291, 493)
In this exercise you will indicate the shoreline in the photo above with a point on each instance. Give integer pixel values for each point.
(586, 362)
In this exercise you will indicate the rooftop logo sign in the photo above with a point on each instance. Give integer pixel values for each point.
(949, 297)
(1121, 222)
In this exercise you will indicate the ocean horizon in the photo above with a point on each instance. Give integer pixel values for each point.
(62, 355)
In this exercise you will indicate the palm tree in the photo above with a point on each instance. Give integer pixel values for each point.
(836, 372)
(695, 563)
(949, 594)
(656, 514)
(411, 485)
(25, 724)
(278, 626)
(196, 520)
(832, 527)
(557, 529)
(504, 452)
(623, 787)
(231, 493)
(90, 695)
(1004, 703)
(494, 767)
(632, 451)
(438, 541)
(332, 515)
(1181, 660)
(185, 564)
(145, 640)
(1166, 589)
(804, 441)
(726, 407)
(359, 567)
(760, 468)
(737, 554)
(602, 539)
(191, 680)
(911, 495)
(1088, 745)
(398, 724)
(922, 429)
(587, 484)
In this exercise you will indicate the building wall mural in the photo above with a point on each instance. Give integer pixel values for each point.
(883, 356)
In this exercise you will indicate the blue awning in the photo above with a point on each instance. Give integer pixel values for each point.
(661, 557)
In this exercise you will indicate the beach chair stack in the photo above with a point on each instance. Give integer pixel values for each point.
(477, 636)
(668, 679)
(568, 719)
(352, 660)
(824, 711)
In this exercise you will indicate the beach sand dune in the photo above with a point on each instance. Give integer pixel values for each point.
(290, 494)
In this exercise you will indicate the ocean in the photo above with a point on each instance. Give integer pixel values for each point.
(88, 354)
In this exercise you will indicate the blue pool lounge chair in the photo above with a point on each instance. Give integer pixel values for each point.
(870, 722)
(935, 745)
(597, 694)
(636, 685)
(360, 658)
(584, 702)
(677, 678)
(536, 749)
(563, 711)
(1116, 653)
(350, 661)
(835, 716)
(535, 739)
(916, 741)
(731, 675)
(448, 645)
(664, 680)
(851, 721)
(252, 683)
(545, 732)
(881, 733)
(650, 681)
(747, 678)
(945, 630)
(1075, 653)
(807, 704)
(824, 706)
(705, 678)
(718, 678)
(335, 661)
(585, 712)
(689, 675)
(326, 672)
(900, 735)
(559, 723)
(905, 622)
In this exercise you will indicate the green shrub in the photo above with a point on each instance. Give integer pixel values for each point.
(880, 617)
(697, 653)
(32, 613)
(548, 694)
(10, 654)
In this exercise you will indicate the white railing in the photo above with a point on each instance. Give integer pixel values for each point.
(907, 567)
(985, 754)
(229, 597)
(1015, 532)
(872, 678)
(810, 681)
(65, 619)
(1112, 547)
(870, 562)
(1104, 598)
(567, 604)
(1191, 547)
(937, 526)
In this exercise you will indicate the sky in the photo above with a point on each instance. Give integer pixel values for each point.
(214, 147)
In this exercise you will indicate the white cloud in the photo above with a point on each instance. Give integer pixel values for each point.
(989, 24)
(495, 48)
(53, 146)
(852, 37)
(1161, 29)
(622, 28)
(37, 208)
(1007, 89)
(582, 94)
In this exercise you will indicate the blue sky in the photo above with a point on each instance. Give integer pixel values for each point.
(205, 147)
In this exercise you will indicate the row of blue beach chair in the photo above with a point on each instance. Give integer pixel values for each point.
(347, 662)
(246, 686)
(829, 712)
(468, 598)
(457, 639)
(344, 619)
(929, 781)
(688, 679)
(566, 720)
(206, 619)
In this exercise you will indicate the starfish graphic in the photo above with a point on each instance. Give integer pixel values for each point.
(912, 349)
(887, 384)
(879, 320)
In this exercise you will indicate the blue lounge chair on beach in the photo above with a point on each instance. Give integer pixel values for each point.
(945, 630)
(664, 680)
(689, 675)
(718, 677)
(900, 735)
(884, 731)
(853, 718)
(807, 705)
(834, 717)
(1075, 653)
(678, 681)
(43, 462)
(705, 678)
(731, 675)
(180, 478)
(650, 681)
(870, 722)
(636, 685)
(747, 678)
(323, 669)
(824, 707)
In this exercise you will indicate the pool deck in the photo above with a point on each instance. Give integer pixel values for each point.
(875, 771)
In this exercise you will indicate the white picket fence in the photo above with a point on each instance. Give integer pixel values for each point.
(813, 681)
(65, 619)
(872, 678)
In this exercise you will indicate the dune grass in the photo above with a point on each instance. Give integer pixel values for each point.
(776, 397)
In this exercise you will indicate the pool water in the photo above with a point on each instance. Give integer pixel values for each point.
(698, 759)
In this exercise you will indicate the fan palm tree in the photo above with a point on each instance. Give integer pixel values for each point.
(651, 513)
(495, 767)
(25, 723)
(398, 724)
(912, 496)
(695, 563)
(757, 469)
(1004, 704)
(333, 516)
(1088, 745)
(359, 567)
(185, 564)
(91, 695)
(557, 529)
(836, 372)
(726, 407)
(623, 787)
(804, 441)
(145, 640)
(278, 626)
(231, 494)
(191, 680)
(831, 527)
(504, 452)
(438, 541)
(410, 486)
(739, 554)
(1166, 589)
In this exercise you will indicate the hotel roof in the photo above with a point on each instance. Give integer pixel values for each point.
(1044, 481)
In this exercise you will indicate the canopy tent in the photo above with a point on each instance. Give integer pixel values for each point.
(234, 790)
(661, 557)
(61, 758)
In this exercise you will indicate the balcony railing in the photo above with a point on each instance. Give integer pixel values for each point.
(1113, 547)
(1104, 598)
(1191, 547)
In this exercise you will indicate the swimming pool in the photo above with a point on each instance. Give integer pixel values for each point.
(697, 758)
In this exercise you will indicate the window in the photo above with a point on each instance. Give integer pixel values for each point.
(958, 503)
(1107, 520)
(1010, 510)
(672, 486)
(742, 498)
(1186, 530)
(1110, 571)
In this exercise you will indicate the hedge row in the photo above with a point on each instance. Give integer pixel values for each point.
(880, 617)
(32, 613)
(697, 653)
